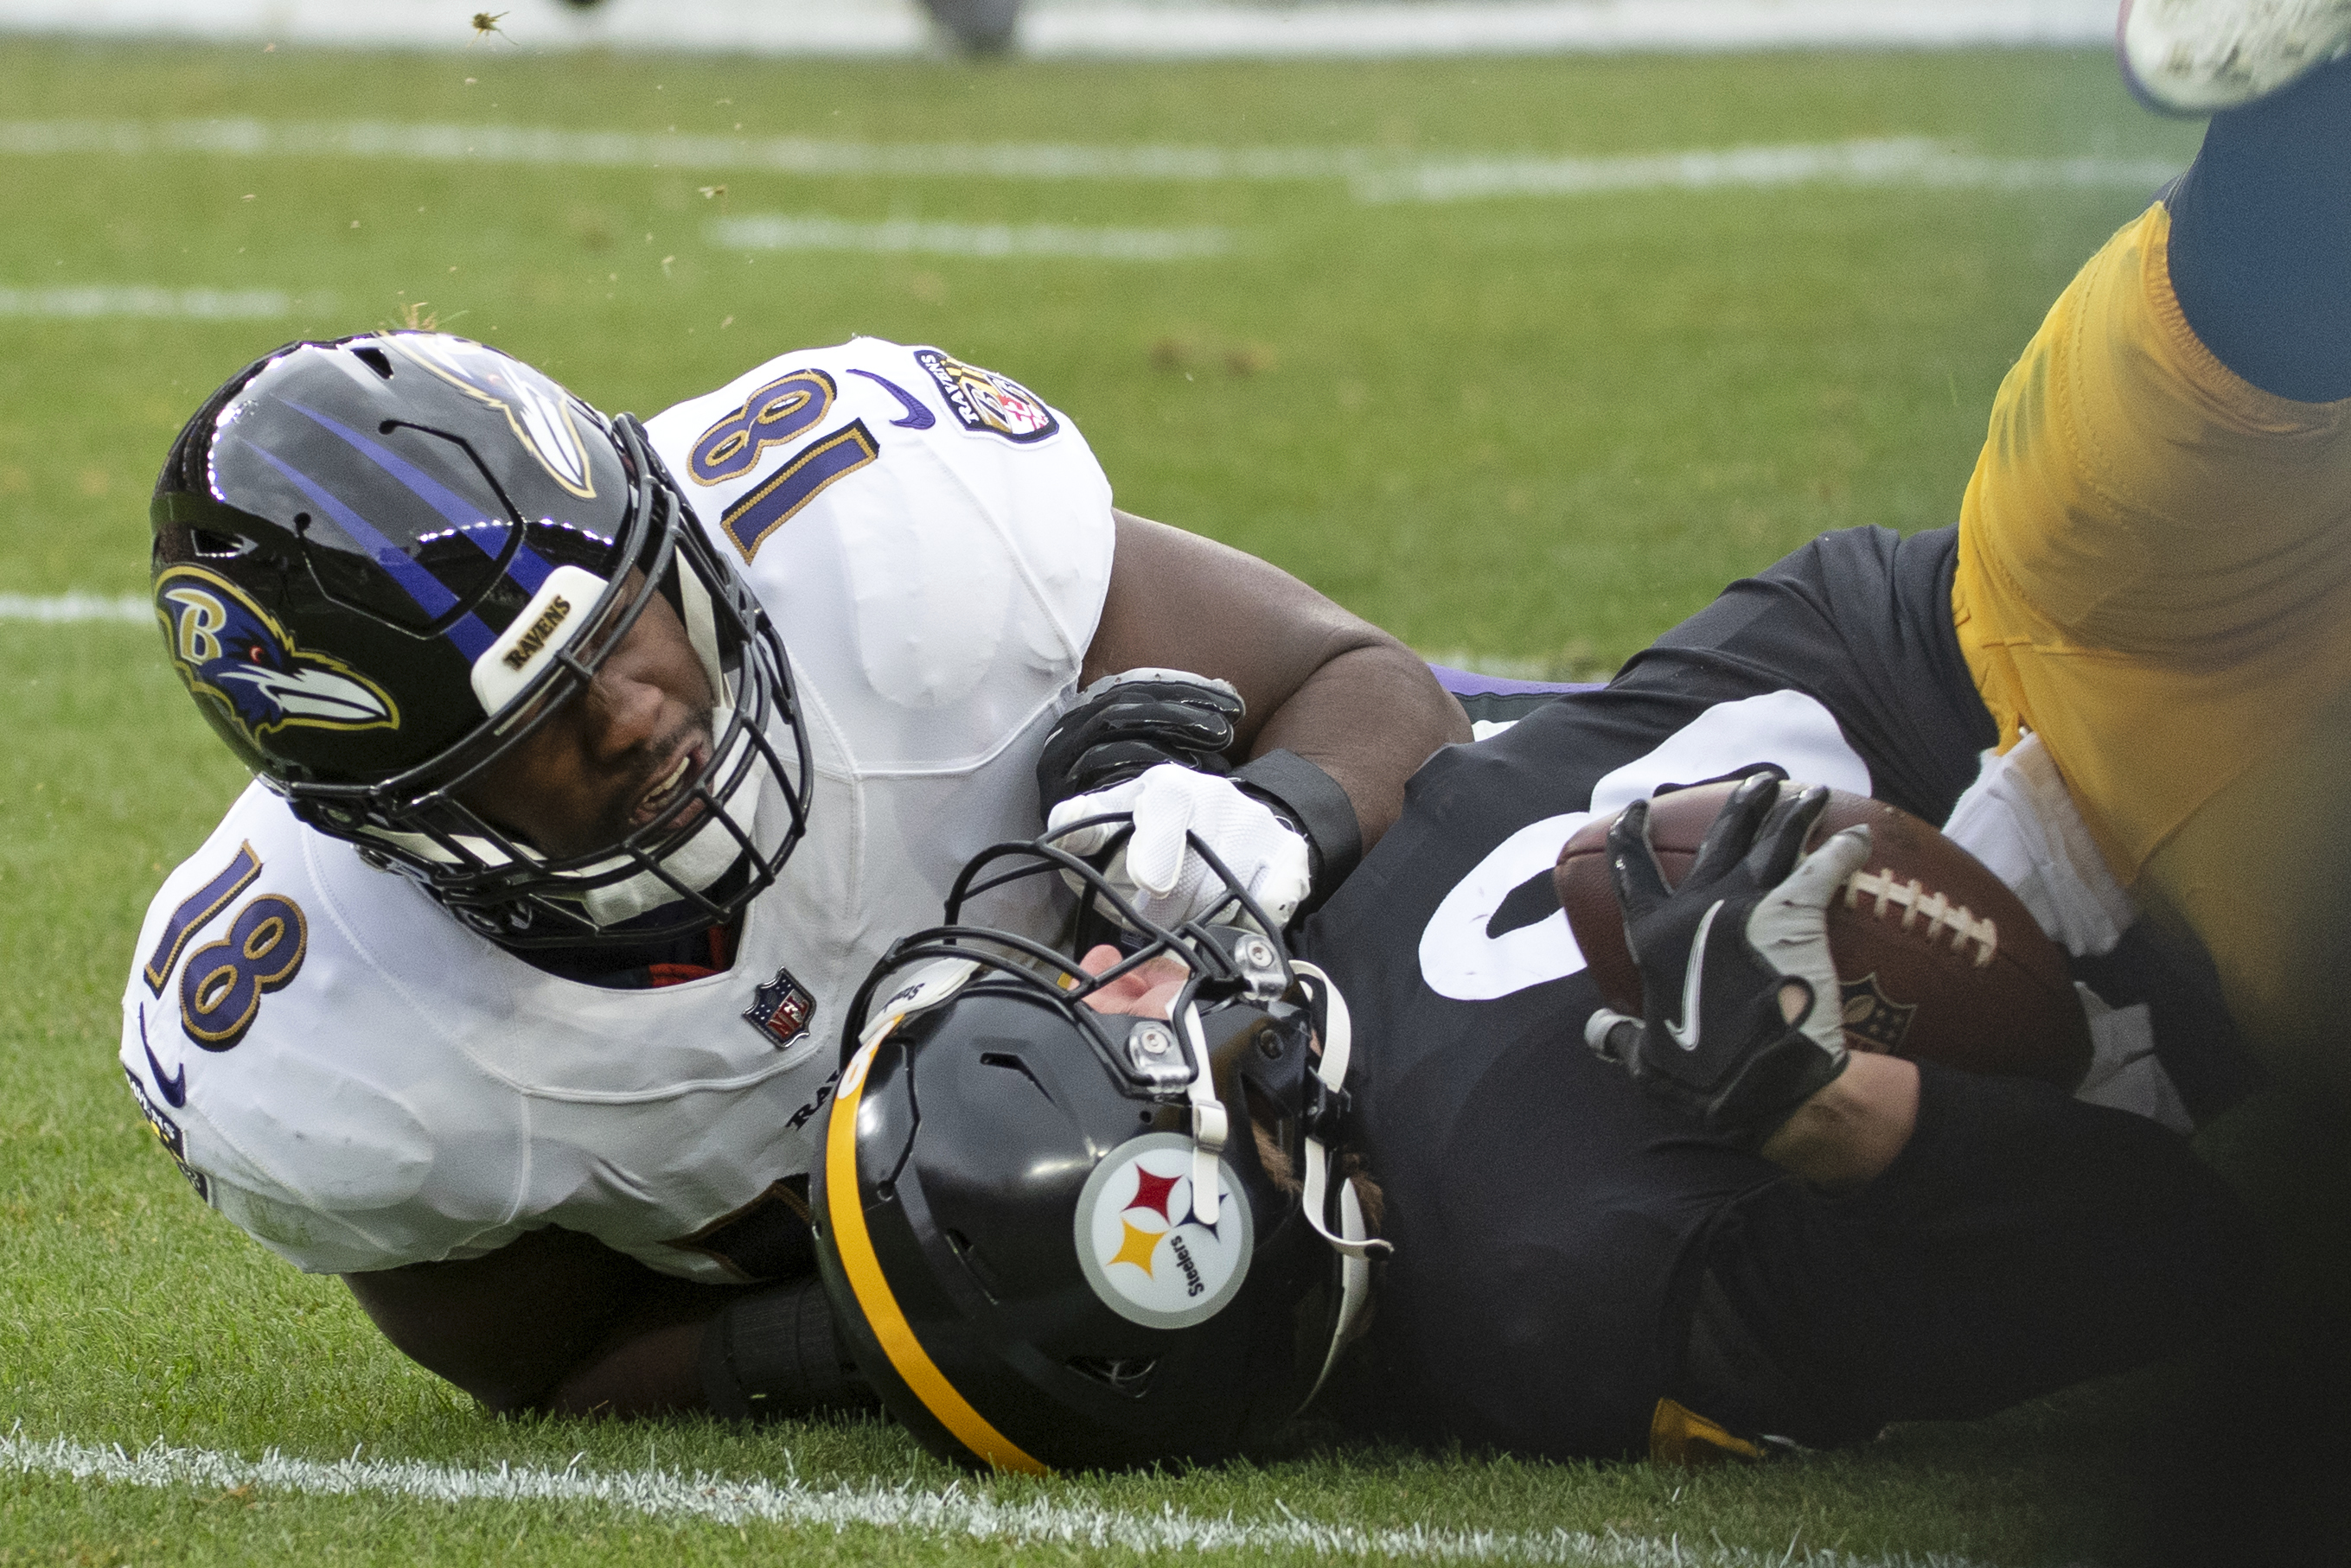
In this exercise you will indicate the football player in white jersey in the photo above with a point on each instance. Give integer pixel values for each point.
(508, 989)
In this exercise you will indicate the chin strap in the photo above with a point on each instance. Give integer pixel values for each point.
(1210, 1126)
(1355, 1289)
(1352, 1241)
(1330, 1072)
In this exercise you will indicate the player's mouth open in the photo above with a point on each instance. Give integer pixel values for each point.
(664, 790)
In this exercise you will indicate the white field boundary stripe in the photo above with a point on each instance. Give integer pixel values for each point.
(1372, 176)
(954, 1513)
(817, 232)
(76, 606)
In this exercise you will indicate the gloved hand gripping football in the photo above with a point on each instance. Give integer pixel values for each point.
(1743, 1011)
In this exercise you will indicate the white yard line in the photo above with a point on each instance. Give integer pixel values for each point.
(816, 232)
(1137, 29)
(76, 606)
(1360, 31)
(1899, 161)
(75, 302)
(1902, 161)
(955, 1513)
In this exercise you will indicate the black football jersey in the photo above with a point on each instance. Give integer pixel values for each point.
(1546, 1216)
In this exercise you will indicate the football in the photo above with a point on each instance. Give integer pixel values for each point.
(1939, 961)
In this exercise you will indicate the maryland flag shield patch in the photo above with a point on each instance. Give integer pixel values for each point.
(986, 403)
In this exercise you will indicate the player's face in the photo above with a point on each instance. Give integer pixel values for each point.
(610, 760)
(1145, 992)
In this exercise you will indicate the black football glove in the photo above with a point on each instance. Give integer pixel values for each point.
(1745, 929)
(1126, 723)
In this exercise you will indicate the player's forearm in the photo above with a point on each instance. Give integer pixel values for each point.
(1849, 1132)
(1368, 716)
(1318, 680)
(648, 1364)
(554, 1320)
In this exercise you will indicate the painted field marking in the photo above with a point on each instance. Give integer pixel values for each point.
(817, 232)
(79, 302)
(1901, 161)
(953, 1514)
(1372, 176)
(1128, 29)
(553, 148)
(76, 606)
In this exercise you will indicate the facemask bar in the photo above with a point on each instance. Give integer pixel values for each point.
(1213, 976)
(953, 957)
(1014, 954)
(415, 822)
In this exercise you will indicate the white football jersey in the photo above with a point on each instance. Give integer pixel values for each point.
(934, 543)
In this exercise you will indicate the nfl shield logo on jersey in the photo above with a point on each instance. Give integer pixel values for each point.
(782, 1009)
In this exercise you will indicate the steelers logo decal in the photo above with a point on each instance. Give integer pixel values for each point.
(1143, 1245)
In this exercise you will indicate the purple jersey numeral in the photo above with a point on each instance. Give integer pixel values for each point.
(759, 514)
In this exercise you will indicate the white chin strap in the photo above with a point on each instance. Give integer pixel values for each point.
(1353, 1240)
(1338, 1046)
(1210, 1125)
(701, 860)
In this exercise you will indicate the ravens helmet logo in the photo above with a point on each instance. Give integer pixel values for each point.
(228, 648)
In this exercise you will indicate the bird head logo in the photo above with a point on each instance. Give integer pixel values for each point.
(227, 648)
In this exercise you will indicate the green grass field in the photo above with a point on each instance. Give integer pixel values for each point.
(1530, 430)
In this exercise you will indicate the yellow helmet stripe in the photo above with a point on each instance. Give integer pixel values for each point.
(856, 1247)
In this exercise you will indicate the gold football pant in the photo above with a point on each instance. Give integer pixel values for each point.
(2155, 575)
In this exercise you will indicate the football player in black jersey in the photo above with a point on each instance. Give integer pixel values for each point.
(1574, 1268)
(1582, 1270)
(2148, 578)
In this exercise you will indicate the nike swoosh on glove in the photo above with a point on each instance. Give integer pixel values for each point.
(1156, 870)
(1742, 1010)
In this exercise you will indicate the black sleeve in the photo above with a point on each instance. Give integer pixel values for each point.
(2023, 1241)
(1862, 620)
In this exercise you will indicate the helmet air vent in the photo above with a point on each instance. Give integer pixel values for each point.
(210, 545)
(1129, 1375)
(375, 360)
(1013, 1064)
(968, 1256)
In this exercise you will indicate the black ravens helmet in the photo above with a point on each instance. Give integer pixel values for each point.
(380, 563)
(1062, 1239)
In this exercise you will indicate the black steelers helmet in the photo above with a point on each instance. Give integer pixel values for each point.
(1059, 1239)
(380, 563)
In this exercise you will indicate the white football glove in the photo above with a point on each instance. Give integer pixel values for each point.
(1156, 870)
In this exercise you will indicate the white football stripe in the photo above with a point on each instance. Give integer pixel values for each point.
(817, 232)
(76, 606)
(1373, 176)
(959, 1512)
